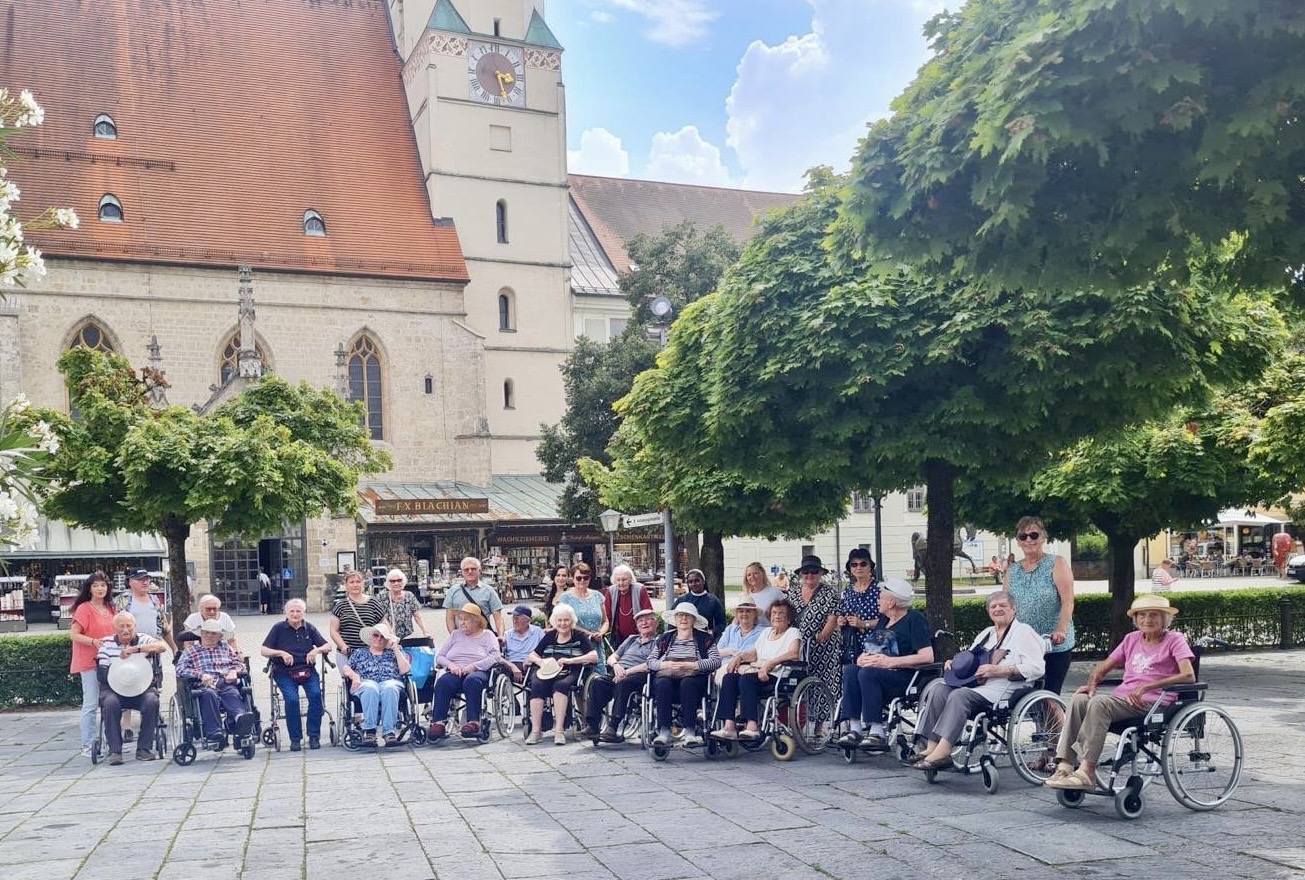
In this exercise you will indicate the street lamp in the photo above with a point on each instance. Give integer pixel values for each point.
(611, 520)
(663, 313)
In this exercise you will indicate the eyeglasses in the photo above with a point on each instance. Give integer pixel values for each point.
(1029, 536)
(862, 564)
(582, 577)
(396, 580)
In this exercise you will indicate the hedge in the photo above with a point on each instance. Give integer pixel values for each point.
(34, 672)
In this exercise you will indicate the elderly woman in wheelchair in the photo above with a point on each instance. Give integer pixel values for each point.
(1006, 652)
(752, 671)
(467, 658)
(1154, 658)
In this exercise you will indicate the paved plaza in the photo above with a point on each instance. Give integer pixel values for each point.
(503, 810)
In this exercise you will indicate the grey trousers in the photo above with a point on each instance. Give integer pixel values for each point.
(946, 709)
(1088, 723)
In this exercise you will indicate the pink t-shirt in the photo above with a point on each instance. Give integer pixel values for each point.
(1144, 663)
(97, 625)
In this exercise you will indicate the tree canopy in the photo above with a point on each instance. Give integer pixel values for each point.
(1058, 144)
(818, 370)
(276, 453)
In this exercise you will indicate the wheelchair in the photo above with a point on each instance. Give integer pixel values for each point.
(184, 717)
(628, 720)
(409, 728)
(796, 714)
(574, 704)
(1022, 727)
(704, 713)
(901, 717)
(100, 748)
(500, 703)
(272, 734)
(1191, 744)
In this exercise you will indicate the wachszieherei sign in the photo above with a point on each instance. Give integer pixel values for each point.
(411, 506)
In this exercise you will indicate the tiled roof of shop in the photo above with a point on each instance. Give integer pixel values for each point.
(618, 208)
(233, 120)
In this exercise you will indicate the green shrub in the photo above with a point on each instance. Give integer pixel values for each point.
(1243, 618)
(34, 672)
(1090, 547)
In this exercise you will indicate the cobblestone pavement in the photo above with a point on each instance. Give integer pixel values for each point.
(503, 810)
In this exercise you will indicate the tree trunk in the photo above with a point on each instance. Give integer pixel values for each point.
(176, 531)
(940, 483)
(692, 551)
(712, 558)
(1120, 556)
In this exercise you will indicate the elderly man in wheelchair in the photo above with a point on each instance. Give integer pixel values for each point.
(1154, 658)
(129, 681)
(212, 672)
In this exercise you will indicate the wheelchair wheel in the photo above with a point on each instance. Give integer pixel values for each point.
(1033, 733)
(991, 779)
(247, 752)
(97, 752)
(505, 706)
(931, 776)
(731, 748)
(352, 740)
(270, 738)
(660, 753)
(849, 754)
(333, 733)
(160, 741)
(184, 754)
(1202, 756)
(783, 746)
(417, 736)
(1129, 803)
(811, 716)
(1070, 797)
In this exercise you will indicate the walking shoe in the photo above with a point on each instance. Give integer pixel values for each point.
(391, 740)
(217, 742)
(115, 759)
(559, 738)
(1077, 781)
(590, 732)
(1057, 779)
(146, 755)
(850, 740)
(610, 736)
(295, 746)
(692, 740)
(245, 723)
(470, 730)
(725, 734)
(663, 738)
(86, 751)
(749, 734)
(875, 743)
(534, 738)
(314, 742)
(437, 731)
(369, 738)
(128, 735)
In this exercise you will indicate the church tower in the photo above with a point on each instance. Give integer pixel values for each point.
(485, 94)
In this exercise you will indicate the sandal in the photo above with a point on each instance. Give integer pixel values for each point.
(940, 764)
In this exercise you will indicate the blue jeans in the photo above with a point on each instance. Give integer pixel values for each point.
(448, 685)
(90, 706)
(293, 720)
(383, 696)
(223, 695)
(867, 689)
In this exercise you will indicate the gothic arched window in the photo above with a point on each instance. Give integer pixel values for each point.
(365, 384)
(230, 365)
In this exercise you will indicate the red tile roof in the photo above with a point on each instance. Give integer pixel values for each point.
(233, 119)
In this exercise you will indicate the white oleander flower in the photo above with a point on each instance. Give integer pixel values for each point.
(32, 113)
(66, 218)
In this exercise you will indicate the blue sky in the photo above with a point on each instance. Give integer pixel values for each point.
(730, 92)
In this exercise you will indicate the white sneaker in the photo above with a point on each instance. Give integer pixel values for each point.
(692, 740)
(534, 738)
(662, 739)
(86, 751)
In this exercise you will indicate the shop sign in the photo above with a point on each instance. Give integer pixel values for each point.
(418, 506)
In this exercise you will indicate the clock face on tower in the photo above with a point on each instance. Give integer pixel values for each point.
(496, 74)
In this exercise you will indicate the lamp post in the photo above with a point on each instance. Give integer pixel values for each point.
(663, 313)
(611, 520)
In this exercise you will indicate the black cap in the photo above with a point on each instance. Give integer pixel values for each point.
(140, 574)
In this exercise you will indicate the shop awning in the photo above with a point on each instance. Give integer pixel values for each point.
(508, 499)
(1234, 517)
(57, 539)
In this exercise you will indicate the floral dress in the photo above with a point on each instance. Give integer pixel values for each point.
(822, 660)
(589, 617)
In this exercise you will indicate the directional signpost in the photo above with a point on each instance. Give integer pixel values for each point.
(640, 520)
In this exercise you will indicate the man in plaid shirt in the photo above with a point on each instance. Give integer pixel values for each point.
(212, 669)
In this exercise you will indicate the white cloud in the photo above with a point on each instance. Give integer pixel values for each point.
(600, 153)
(601, 17)
(672, 22)
(805, 101)
(684, 157)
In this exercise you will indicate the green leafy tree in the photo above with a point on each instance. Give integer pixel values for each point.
(661, 457)
(681, 263)
(275, 453)
(822, 370)
(1134, 482)
(1082, 143)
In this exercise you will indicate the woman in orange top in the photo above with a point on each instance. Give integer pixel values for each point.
(92, 624)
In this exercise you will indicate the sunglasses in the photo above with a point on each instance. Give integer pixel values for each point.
(582, 577)
(1029, 536)
(858, 564)
(396, 580)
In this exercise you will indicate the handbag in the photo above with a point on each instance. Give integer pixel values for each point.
(301, 674)
(423, 664)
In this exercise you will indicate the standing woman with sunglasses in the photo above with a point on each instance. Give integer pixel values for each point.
(1042, 587)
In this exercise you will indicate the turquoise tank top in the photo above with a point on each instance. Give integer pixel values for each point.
(1036, 601)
